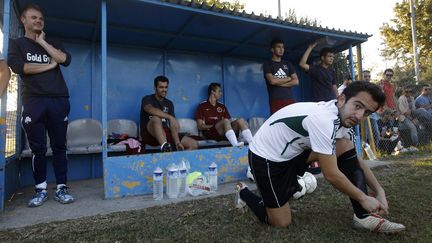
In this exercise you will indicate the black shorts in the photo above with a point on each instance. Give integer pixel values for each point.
(277, 181)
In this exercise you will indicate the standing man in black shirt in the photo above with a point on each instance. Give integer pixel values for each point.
(323, 77)
(158, 124)
(45, 100)
(280, 76)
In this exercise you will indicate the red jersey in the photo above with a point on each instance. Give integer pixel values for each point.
(389, 92)
(211, 114)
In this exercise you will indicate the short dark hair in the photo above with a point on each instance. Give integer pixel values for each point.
(160, 78)
(30, 6)
(388, 70)
(325, 51)
(275, 41)
(371, 88)
(212, 87)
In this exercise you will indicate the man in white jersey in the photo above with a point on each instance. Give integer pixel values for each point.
(302, 133)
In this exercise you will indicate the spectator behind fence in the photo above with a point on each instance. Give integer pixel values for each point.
(423, 100)
(4, 74)
(366, 75)
(346, 83)
(388, 89)
(213, 119)
(373, 118)
(280, 76)
(323, 77)
(406, 119)
(45, 101)
(389, 132)
(158, 124)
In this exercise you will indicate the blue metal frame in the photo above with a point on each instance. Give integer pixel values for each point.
(357, 127)
(104, 79)
(6, 19)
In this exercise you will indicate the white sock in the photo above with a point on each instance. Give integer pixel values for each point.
(231, 136)
(60, 185)
(42, 185)
(163, 145)
(247, 135)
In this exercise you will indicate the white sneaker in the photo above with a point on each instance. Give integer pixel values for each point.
(239, 203)
(376, 223)
(412, 149)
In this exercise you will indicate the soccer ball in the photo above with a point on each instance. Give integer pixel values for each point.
(310, 182)
(302, 192)
(249, 175)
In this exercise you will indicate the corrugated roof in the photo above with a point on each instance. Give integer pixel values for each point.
(284, 22)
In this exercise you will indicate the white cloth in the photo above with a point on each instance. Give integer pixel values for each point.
(298, 127)
(1, 56)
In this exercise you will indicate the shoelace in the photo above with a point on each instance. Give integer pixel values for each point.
(380, 223)
(63, 190)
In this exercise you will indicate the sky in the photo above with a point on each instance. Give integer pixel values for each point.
(365, 16)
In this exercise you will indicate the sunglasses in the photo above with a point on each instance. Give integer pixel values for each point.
(408, 91)
(427, 88)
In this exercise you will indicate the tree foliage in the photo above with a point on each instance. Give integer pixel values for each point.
(398, 38)
(223, 4)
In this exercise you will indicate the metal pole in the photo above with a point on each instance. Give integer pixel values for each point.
(279, 9)
(359, 63)
(414, 40)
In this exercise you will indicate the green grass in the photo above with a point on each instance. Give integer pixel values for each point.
(324, 216)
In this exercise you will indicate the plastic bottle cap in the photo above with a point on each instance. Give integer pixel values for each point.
(158, 170)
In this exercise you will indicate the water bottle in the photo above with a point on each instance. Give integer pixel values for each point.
(172, 181)
(369, 151)
(213, 176)
(158, 184)
(182, 179)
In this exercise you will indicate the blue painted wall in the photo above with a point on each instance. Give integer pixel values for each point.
(131, 71)
(132, 175)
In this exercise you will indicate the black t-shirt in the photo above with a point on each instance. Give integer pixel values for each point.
(282, 69)
(165, 105)
(50, 83)
(322, 81)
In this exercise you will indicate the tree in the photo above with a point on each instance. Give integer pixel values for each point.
(223, 4)
(398, 38)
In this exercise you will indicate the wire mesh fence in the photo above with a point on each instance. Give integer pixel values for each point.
(390, 133)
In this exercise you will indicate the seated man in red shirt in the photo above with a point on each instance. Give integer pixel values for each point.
(213, 119)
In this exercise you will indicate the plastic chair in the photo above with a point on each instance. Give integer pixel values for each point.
(26, 152)
(121, 126)
(84, 136)
(255, 123)
(188, 125)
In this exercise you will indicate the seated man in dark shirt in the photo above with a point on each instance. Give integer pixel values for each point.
(213, 119)
(158, 123)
